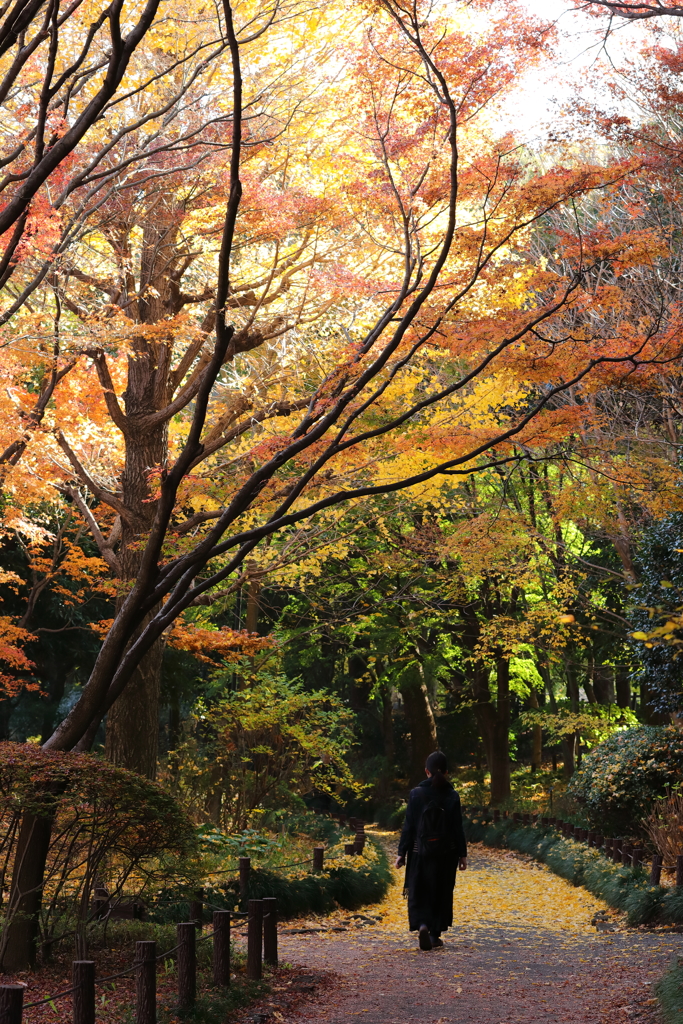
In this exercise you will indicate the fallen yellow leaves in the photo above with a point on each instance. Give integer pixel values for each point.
(498, 888)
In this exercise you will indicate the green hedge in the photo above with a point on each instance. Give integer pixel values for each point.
(669, 991)
(624, 888)
(349, 887)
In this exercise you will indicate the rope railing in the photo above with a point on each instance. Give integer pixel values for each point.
(261, 920)
(49, 999)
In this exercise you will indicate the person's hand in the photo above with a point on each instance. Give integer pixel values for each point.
(399, 862)
(462, 864)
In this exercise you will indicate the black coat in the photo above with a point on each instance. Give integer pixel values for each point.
(418, 799)
(430, 881)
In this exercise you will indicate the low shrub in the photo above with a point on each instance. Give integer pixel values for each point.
(619, 779)
(626, 889)
(349, 883)
(110, 828)
(669, 991)
(346, 886)
(260, 748)
(664, 826)
(214, 1007)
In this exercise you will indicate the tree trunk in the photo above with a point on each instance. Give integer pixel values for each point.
(536, 735)
(569, 742)
(603, 684)
(623, 687)
(19, 938)
(387, 723)
(132, 733)
(420, 717)
(494, 724)
(500, 763)
(5, 715)
(132, 737)
(544, 672)
(253, 591)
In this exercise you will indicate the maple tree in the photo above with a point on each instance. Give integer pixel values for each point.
(633, 10)
(395, 211)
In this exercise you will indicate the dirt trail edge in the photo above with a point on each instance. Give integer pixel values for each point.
(523, 950)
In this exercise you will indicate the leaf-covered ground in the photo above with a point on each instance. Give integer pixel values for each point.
(524, 950)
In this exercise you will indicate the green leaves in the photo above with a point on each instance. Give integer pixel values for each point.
(595, 722)
(620, 778)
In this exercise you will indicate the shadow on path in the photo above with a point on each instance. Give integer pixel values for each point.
(523, 951)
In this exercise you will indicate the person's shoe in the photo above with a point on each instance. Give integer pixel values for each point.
(425, 937)
(436, 941)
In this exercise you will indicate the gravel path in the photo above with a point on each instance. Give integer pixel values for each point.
(523, 951)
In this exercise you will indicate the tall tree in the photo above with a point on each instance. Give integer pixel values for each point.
(457, 314)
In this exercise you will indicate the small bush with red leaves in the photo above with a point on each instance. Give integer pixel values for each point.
(112, 830)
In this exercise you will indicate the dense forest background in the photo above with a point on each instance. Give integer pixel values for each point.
(338, 422)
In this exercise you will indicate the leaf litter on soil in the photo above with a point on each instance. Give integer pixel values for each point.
(498, 889)
(518, 930)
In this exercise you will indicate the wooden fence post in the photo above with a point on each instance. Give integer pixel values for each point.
(146, 982)
(656, 869)
(318, 857)
(245, 871)
(83, 981)
(197, 910)
(349, 849)
(187, 964)
(11, 1003)
(255, 940)
(679, 870)
(221, 947)
(637, 857)
(270, 931)
(599, 840)
(616, 849)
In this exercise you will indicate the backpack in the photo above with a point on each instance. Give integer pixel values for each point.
(433, 836)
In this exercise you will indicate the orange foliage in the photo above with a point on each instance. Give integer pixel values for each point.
(225, 643)
(13, 660)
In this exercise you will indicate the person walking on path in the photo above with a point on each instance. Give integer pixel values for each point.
(434, 843)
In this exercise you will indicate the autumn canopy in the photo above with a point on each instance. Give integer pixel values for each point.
(339, 417)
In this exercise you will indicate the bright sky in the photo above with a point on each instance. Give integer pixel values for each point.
(579, 49)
